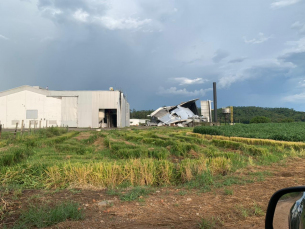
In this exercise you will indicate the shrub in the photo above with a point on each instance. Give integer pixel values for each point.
(211, 130)
(287, 120)
(58, 139)
(91, 139)
(44, 216)
(14, 156)
(220, 165)
(260, 119)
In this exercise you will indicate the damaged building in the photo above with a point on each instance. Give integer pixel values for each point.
(180, 115)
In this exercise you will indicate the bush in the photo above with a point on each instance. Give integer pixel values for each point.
(287, 120)
(44, 216)
(51, 132)
(260, 119)
(211, 130)
(14, 156)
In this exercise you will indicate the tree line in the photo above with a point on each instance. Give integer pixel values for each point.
(253, 114)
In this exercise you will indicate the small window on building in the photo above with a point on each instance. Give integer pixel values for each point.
(31, 114)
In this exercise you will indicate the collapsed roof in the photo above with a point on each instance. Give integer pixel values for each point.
(177, 114)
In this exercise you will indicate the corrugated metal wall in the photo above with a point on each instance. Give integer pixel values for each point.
(69, 107)
(84, 105)
(127, 114)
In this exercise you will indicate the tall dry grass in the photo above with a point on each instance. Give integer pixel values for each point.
(253, 141)
(134, 172)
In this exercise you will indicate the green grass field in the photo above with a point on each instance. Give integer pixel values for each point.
(276, 131)
(53, 158)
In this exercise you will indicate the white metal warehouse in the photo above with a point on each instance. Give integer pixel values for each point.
(44, 107)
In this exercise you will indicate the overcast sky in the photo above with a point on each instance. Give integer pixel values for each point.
(158, 52)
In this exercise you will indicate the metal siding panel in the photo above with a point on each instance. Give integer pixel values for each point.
(127, 114)
(123, 111)
(52, 111)
(84, 108)
(69, 111)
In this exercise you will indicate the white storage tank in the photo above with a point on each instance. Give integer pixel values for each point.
(226, 110)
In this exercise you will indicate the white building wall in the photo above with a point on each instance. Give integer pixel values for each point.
(69, 114)
(14, 106)
(137, 122)
(127, 114)
(84, 105)
(52, 112)
(3, 110)
(123, 111)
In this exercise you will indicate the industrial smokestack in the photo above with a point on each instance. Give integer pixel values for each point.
(215, 101)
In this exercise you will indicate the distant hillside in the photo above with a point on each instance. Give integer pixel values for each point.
(245, 114)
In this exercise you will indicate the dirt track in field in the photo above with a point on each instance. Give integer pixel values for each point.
(281, 213)
(172, 208)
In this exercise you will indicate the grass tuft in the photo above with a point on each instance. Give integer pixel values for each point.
(44, 216)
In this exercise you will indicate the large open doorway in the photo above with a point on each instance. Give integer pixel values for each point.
(108, 118)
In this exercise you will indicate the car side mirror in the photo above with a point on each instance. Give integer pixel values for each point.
(286, 209)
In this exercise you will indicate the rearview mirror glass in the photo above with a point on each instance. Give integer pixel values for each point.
(289, 211)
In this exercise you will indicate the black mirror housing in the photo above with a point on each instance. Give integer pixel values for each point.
(273, 202)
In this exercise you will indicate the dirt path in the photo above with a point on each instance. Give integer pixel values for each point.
(83, 135)
(281, 214)
(172, 208)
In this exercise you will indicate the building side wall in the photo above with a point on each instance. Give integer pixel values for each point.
(84, 105)
(127, 114)
(52, 112)
(69, 111)
(14, 107)
(123, 111)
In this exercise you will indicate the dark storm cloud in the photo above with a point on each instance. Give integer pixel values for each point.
(297, 58)
(237, 60)
(63, 5)
(220, 55)
(262, 72)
